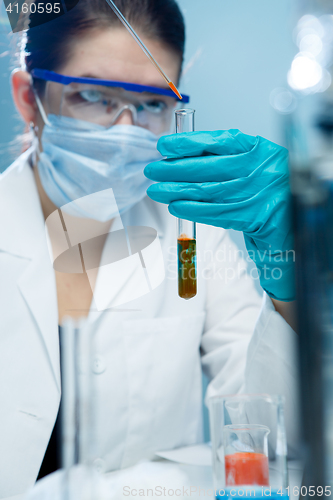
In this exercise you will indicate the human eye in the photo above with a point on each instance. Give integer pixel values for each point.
(91, 95)
(155, 106)
(94, 97)
(85, 96)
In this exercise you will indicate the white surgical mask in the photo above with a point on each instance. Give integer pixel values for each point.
(76, 162)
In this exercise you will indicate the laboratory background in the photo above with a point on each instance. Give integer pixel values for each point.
(237, 70)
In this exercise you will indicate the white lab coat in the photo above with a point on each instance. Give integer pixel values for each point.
(148, 366)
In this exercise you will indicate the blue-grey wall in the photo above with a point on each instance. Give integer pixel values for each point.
(10, 124)
(239, 51)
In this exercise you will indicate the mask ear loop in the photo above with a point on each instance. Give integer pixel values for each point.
(34, 143)
(34, 131)
(39, 104)
(41, 108)
(34, 127)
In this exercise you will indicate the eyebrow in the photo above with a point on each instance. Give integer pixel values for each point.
(90, 75)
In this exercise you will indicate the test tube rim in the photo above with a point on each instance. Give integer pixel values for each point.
(185, 111)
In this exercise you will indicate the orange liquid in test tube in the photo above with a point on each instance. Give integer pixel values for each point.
(187, 271)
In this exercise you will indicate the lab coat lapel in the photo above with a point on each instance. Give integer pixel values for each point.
(37, 285)
(128, 280)
(24, 236)
(119, 282)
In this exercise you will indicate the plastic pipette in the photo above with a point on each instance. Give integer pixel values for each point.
(143, 47)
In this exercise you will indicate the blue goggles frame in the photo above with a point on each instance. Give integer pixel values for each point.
(51, 76)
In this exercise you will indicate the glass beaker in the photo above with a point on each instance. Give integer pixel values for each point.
(249, 445)
(246, 454)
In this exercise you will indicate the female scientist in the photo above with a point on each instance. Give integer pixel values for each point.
(91, 135)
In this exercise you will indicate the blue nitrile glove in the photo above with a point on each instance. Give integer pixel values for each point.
(235, 181)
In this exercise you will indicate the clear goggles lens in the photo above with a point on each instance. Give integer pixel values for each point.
(102, 105)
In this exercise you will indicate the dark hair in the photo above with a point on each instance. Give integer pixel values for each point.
(48, 44)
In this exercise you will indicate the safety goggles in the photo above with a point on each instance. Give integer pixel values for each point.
(101, 102)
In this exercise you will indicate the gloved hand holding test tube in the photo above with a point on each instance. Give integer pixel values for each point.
(234, 181)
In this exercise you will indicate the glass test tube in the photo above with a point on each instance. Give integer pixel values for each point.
(77, 412)
(76, 347)
(186, 230)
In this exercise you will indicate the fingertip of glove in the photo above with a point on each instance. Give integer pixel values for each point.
(150, 191)
(172, 209)
(153, 191)
(147, 171)
(163, 145)
(150, 170)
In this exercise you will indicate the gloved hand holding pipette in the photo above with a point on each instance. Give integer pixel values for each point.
(234, 181)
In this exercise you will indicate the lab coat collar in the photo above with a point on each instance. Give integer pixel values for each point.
(23, 223)
(22, 218)
(23, 235)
